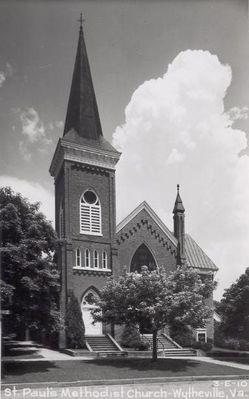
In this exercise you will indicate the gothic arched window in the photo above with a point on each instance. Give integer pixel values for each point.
(87, 258)
(96, 259)
(90, 213)
(78, 258)
(142, 257)
(104, 260)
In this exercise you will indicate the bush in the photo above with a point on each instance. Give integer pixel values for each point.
(75, 330)
(182, 335)
(205, 346)
(130, 337)
(243, 345)
(141, 346)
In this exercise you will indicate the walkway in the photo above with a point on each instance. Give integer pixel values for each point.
(35, 352)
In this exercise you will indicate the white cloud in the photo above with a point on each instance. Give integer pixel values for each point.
(176, 131)
(35, 192)
(2, 78)
(32, 126)
(237, 113)
(8, 72)
(34, 131)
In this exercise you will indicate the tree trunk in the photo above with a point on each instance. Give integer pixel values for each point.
(154, 351)
(27, 335)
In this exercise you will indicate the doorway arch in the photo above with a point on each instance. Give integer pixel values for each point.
(87, 305)
(142, 257)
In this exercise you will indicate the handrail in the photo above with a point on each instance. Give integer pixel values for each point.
(149, 341)
(171, 340)
(115, 342)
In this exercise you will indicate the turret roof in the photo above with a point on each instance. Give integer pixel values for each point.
(178, 202)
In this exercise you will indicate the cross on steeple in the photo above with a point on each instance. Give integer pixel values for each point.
(81, 20)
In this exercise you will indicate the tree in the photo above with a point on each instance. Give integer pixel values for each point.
(75, 330)
(30, 281)
(156, 297)
(234, 309)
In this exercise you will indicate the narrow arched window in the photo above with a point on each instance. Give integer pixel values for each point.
(96, 259)
(87, 258)
(78, 258)
(90, 213)
(104, 260)
(61, 220)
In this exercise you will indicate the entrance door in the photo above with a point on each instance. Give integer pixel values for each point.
(86, 306)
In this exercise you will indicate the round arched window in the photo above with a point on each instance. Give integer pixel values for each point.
(90, 213)
(90, 197)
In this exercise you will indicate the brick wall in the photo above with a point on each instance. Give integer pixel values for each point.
(150, 234)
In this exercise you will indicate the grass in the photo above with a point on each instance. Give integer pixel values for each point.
(237, 359)
(103, 369)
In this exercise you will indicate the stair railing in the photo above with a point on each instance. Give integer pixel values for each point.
(158, 340)
(144, 338)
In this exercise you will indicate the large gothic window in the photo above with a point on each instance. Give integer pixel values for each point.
(142, 257)
(90, 213)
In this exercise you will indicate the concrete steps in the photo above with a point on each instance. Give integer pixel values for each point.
(168, 346)
(163, 342)
(104, 345)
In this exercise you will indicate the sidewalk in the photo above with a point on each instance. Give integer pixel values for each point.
(40, 353)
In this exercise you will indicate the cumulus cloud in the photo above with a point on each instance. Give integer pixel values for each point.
(7, 72)
(32, 126)
(177, 131)
(2, 78)
(35, 192)
(34, 131)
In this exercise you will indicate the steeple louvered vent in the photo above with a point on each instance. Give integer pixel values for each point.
(90, 214)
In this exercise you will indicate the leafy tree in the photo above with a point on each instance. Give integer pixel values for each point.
(30, 281)
(234, 309)
(154, 296)
(75, 330)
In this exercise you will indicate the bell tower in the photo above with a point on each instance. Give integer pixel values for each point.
(83, 167)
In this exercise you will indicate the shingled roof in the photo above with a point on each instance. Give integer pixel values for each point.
(196, 257)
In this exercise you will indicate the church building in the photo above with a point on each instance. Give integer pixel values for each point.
(92, 247)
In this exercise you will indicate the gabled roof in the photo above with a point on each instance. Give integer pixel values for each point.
(82, 111)
(145, 206)
(196, 257)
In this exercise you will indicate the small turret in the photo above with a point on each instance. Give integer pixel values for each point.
(179, 226)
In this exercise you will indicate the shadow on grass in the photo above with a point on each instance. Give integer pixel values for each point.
(22, 352)
(174, 365)
(22, 368)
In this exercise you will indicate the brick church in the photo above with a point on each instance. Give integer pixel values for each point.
(92, 246)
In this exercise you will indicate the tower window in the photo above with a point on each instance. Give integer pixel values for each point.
(104, 260)
(90, 213)
(96, 259)
(87, 258)
(78, 257)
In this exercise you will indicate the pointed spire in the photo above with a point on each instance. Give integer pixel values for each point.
(82, 111)
(178, 202)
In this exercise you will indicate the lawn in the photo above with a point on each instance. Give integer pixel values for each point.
(103, 369)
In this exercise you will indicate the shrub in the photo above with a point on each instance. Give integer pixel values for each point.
(205, 346)
(182, 335)
(75, 330)
(243, 345)
(130, 337)
(141, 346)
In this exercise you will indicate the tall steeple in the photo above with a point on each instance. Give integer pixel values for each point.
(179, 226)
(82, 111)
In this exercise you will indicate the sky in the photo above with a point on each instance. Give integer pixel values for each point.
(171, 80)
